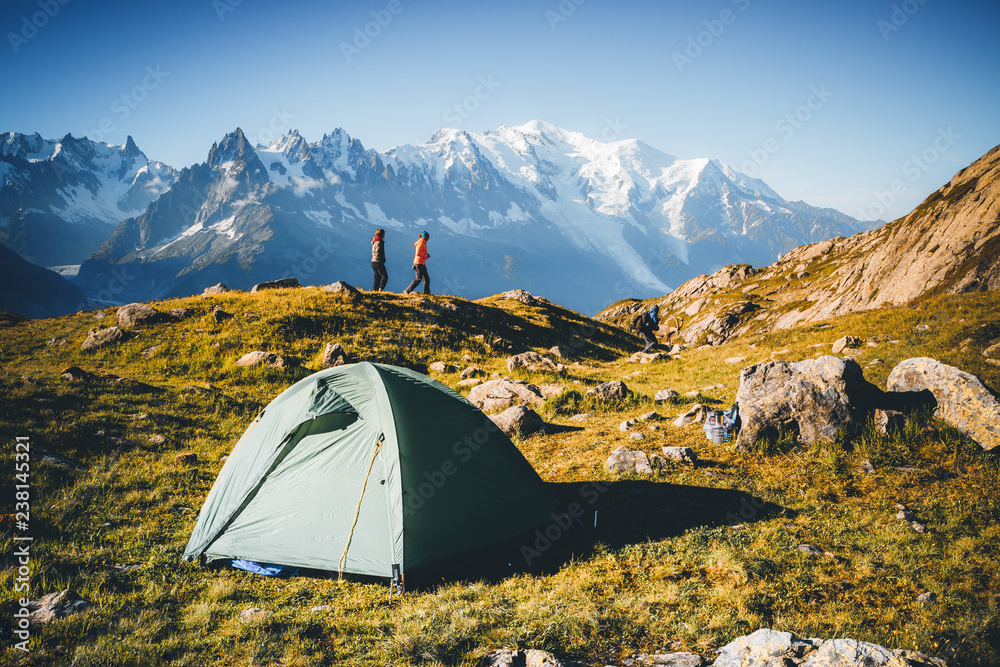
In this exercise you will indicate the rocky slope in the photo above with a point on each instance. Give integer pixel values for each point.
(33, 291)
(950, 243)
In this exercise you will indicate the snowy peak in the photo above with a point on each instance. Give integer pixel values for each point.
(234, 146)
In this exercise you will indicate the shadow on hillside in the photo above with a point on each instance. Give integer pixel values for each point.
(627, 512)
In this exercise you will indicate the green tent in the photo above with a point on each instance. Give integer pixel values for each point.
(377, 462)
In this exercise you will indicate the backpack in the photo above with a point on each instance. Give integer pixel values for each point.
(635, 324)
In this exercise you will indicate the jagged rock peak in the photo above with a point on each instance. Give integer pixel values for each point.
(233, 146)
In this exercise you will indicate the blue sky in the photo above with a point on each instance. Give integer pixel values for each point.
(864, 106)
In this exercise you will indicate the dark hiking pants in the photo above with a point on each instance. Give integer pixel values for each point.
(420, 273)
(381, 276)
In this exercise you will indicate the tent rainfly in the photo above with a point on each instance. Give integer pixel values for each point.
(369, 469)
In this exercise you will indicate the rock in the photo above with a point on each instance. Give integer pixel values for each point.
(868, 468)
(76, 373)
(764, 648)
(218, 288)
(531, 361)
(918, 527)
(852, 342)
(810, 549)
(472, 372)
(962, 400)
(518, 419)
(817, 398)
(581, 417)
(340, 286)
(889, 422)
(322, 607)
(735, 360)
(503, 393)
(150, 351)
(928, 598)
(922, 327)
(992, 352)
(186, 458)
(255, 614)
(526, 298)
(609, 391)
(157, 440)
(469, 382)
(178, 314)
(677, 659)
(220, 315)
(649, 357)
(684, 455)
(276, 284)
(666, 395)
(637, 436)
(441, 367)
(334, 355)
(97, 338)
(260, 358)
(854, 653)
(627, 424)
(56, 605)
(693, 416)
(138, 313)
(624, 460)
(650, 417)
(694, 393)
(561, 351)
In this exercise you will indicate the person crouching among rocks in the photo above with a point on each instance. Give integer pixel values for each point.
(648, 326)
(420, 264)
(378, 261)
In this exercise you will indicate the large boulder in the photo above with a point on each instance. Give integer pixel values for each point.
(101, 337)
(962, 400)
(260, 358)
(276, 284)
(138, 314)
(532, 361)
(218, 288)
(504, 393)
(610, 391)
(817, 398)
(519, 420)
(624, 460)
(334, 355)
(341, 287)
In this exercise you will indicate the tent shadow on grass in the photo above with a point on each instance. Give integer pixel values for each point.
(628, 512)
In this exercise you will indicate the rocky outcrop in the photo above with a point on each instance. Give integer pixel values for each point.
(771, 647)
(276, 284)
(962, 400)
(815, 399)
(504, 393)
(609, 392)
(97, 338)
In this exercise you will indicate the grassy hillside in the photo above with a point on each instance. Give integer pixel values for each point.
(689, 558)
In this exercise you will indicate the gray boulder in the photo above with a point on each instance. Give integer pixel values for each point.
(102, 337)
(624, 460)
(504, 393)
(56, 605)
(138, 314)
(816, 398)
(472, 372)
(260, 358)
(683, 455)
(765, 648)
(276, 284)
(532, 361)
(666, 395)
(218, 288)
(847, 342)
(334, 355)
(341, 287)
(442, 367)
(962, 400)
(610, 391)
(518, 420)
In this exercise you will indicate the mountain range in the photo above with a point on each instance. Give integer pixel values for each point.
(537, 207)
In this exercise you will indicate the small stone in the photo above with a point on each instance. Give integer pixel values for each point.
(867, 467)
(322, 607)
(650, 417)
(847, 342)
(693, 416)
(637, 436)
(186, 458)
(441, 367)
(56, 605)
(341, 287)
(666, 395)
(102, 337)
(472, 372)
(905, 516)
(469, 382)
(918, 527)
(735, 360)
(150, 351)
(627, 425)
(581, 417)
(624, 460)
(260, 358)
(610, 391)
(218, 288)
(810, 550)
(684, 455)
(334, 355)
(157, 440)
(220, 315)
(922, 327)
(929, 597)
(255, 614)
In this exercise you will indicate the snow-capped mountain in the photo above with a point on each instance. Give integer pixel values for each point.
(60, 200)
(581, 221)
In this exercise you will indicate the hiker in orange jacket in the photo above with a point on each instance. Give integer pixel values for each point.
(420, 264)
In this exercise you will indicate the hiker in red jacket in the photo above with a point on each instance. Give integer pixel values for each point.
(378, 260)
(420, 264)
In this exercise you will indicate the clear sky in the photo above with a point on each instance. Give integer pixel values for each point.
(866, 106)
